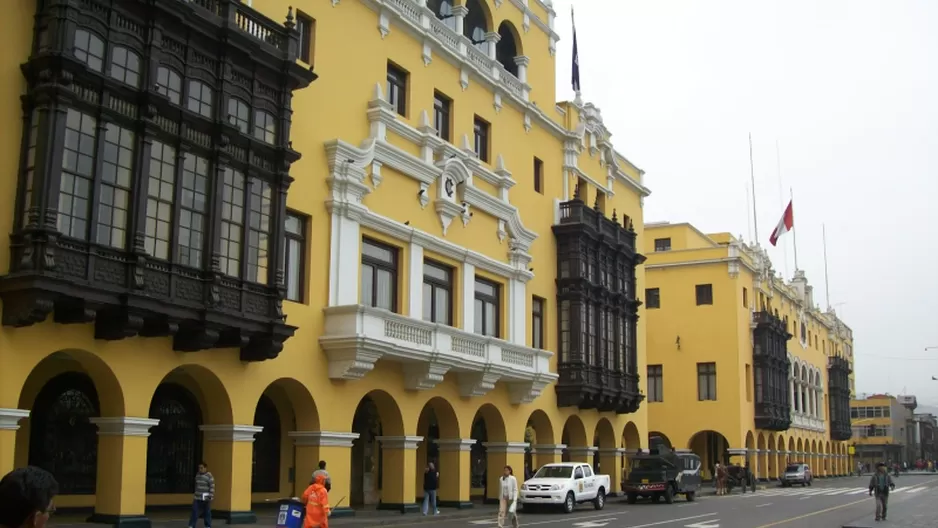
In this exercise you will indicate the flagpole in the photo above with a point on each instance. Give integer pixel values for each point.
(781, 199)
(752, 177)
(794, 234)
(748, 217)
(827, 287)
(575, 73)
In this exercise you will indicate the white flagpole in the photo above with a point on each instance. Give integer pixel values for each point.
(827, 287)
(748, 216)
(781, 200)
(752, 177)
(794, 234)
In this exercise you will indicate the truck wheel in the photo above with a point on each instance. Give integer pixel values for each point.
(600, 501)
(689, 496)
(668, 495)
(631, 498)
(569, 504)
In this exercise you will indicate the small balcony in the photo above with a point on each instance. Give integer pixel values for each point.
(803, 421)
(356, 337)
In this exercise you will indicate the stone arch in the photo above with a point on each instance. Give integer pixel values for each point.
(488, 430)
(457, 170)
(508, 47)
(290, 394)
(574, 437)
(657, 440)
(631, 439)
(604, 441)
(284, 406)
(438, 425)
(175, 446)
(207, 389)
(711, 447)
(604, 435)
(380, 425)
(539, 435)
(772, 458)
(800, 448)
(478, 22)
(762, 458)
(75, 360)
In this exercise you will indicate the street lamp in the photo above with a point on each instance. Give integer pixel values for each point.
(931, 348)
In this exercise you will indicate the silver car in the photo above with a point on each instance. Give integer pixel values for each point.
(797, 474)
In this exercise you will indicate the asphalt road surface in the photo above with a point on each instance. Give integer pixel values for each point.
(827, 504)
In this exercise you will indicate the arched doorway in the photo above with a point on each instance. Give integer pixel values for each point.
(762, 470)
(265, 469)
(539, 433)
(574, 437)
(439, 427)
(604, 440)
(62, 438)
(711, 447)
(659, 441)
(376, 478)
(476, 24)
(508, 47)
(772, 458)
(174, 449)
(488, 426)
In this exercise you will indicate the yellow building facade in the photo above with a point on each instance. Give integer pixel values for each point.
(217, 255)
(884, 429)
(741, 362)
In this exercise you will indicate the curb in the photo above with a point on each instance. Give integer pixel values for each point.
(410, 519)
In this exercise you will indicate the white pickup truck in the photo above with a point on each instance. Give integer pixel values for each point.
(566, 485)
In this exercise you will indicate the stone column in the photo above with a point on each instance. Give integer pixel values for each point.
(459, 16)
(547, 454)
(501, 454)
(9, 425)
(492, 39)
(120, 498)
(399, 470)
(229, 453)
(455, 468)
(582, 454)
(610, 463)
(335, 448)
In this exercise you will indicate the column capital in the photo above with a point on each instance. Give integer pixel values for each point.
(323, 438)
(400, 442)
(460, 10)
(455, 444)
(522, 60)
(506, 447)
(548, 449)
(492, 36)
(581, 451)
(124, 425)
(738, 451)
(10, 418)
(230, 433)
(611, 451)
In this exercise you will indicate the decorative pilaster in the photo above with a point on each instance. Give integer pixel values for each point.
(399, 486)
(120, 497)
(455, 467)
(9, 424)
(332, 447)
(229, 455)
(501, 454)
(547, 453)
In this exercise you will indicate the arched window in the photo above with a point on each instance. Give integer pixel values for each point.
(174, 449)
(475, 26)
(443, 9)
(239, 113)
(125, 66)
(169, 83)
(89, 48)
(507, 49)
(265, 470)
(62, 439)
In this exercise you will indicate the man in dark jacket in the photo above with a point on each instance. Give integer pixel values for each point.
(880, 485)
(26, 498)
(204, 494)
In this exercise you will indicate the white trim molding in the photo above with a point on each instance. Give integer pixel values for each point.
(737, 451)
(323, 438)
(548, 449)
(455, 444)
(615, 451)
(400, 442)
(124, 425)
(506, 447)
(357, 336)
(10, 418)
(580, 451)
(230, 433)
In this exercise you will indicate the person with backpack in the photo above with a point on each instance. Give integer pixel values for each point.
(880, 485)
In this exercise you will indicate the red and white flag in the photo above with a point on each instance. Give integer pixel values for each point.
(784, 225)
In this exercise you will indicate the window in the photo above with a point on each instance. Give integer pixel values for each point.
(294, 256)
(538, 176)
(116, 174)
(652, 298)
(89, 49)
(200, 98)
(397, 89)
(265, 127)
(746, 298)
(192, 207)
(259, 232)
(480, 132)
(306, 26)
(655, 383)
(125, 66)
(379, 275)
(442, 109)
(160, 196)
(486, 307)
(707, 381)
(77, 174)
(437, 293)
(803, 331)
(232, 222)
(238, 114)
(662, 244)
(537, 322)
(749, 383)
(704, 294)
(169, 83)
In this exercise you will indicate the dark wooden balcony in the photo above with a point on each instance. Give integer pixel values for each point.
(838, 376)
(770, 372)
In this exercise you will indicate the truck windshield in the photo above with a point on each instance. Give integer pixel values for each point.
(560, 472)
(648, 463)
(793, 469)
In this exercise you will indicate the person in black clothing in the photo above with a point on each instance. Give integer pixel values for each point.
(431, 481)
(26, 498)
(880, 484)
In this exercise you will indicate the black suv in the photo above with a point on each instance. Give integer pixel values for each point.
(662, 475)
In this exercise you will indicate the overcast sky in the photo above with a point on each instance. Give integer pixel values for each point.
(849, 91)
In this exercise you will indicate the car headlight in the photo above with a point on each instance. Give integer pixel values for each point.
(555, 487)
(524, 487)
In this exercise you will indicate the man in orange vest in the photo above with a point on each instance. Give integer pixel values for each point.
(316, 499)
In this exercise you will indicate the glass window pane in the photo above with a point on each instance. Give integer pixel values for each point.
(477, 319)
(427, 302)
(367, 285)
(442, 306)
(383, 293)
(491, 324)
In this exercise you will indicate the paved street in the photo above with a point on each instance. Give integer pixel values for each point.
(833, 503)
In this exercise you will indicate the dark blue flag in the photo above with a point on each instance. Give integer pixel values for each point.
(576, 57)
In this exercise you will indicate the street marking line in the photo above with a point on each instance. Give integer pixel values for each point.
(764, 505)
(812, 514)
(915, 490)
(659, 523)
(598, 518)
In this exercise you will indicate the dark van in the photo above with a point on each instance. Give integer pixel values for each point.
(662, 475)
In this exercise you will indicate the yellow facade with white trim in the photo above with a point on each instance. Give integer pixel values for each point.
(368, 166)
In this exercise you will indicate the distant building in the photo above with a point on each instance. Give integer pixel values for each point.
(926, 432)
(884, 429)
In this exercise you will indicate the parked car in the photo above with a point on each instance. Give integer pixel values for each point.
(565, 485)
(797, 474)
(662, 476)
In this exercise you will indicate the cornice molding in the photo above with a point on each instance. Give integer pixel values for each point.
(506, 447)
(230, 433)
(10, 418)
(400, 442)
(323, 438)
(124, 425)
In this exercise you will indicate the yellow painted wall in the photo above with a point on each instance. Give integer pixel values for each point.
(350, 59)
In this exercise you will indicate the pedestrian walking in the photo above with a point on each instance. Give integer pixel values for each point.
(431, 482)
(316, 498)
(26, 498)
(721, 479)
(880, 485)
(204, 494)
(322, 471)
(508, 498)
